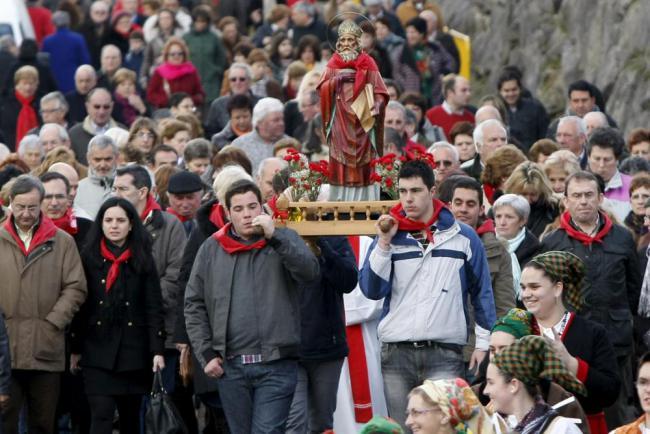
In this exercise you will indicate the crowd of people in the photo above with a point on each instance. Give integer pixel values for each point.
(145, 145)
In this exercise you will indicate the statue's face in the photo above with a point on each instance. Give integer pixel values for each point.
(347, 46)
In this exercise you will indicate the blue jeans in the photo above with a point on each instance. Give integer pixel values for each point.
(256, 397)
(405, 367)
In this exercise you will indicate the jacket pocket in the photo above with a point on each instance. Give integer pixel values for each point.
(48, 342)
(620, 330)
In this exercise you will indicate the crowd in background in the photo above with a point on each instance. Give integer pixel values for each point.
(141, 128)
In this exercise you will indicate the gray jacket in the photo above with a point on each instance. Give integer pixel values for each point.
(93, 191)
(168, 244)
(281, 265)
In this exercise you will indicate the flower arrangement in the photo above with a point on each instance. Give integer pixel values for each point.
(305, 177)
(387, 168)
(385, 173)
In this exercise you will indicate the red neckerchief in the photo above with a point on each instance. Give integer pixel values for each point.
(231, 245)
(487, 226)
(538, 332)
(67, 222)
(218, 215)
(149, 207)
(44, 232)
(362, 64)
(406, 224)
(273, 204)
(114, 271)
(26, 117)
(565, 224)
(173, 212)
(489, 191)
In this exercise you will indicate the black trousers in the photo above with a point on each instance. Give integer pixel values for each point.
(39, 391)
(102, 410)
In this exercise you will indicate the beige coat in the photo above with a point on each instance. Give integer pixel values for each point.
(39, 295)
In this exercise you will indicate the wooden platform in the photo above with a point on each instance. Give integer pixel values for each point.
(334, 218)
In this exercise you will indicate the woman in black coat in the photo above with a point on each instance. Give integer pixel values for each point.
(118, 335)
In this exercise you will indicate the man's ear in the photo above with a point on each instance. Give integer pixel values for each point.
(433, 190)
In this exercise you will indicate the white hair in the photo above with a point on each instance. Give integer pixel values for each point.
(119, 135)
(102, 141)
(264, 107)
(517, 202)
(445, 145)
(227, 177)
(245, 66)
(267, 161)
(479, 134)
(396, 105)
(28, 143)
(598, 116)
(577, 121)
(63, 133)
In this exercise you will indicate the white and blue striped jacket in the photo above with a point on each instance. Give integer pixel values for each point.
(426, 291)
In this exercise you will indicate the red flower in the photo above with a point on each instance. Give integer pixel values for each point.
(389, 182)
(375, 177)
(292, 180)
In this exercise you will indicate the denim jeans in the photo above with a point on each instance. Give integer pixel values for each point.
(256, 397)
(405, 367)
(314, 402)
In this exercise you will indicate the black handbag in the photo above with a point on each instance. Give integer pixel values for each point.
(162, 417)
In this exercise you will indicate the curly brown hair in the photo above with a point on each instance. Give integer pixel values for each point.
(500, 165)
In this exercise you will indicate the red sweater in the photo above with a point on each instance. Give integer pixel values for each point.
(42, 21)
(190, 84)
(438, 116)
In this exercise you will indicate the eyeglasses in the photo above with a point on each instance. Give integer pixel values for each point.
(176, 54)
(415, 412)
(234, 79)
(443, 163)
(55, 196)
(100, 106)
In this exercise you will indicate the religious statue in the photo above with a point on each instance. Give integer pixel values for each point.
(353, 102)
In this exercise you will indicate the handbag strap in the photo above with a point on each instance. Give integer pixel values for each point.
(157, 387)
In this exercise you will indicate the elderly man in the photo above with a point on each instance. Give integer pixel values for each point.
(110, 62)
(489, 136)
(52, 136)
(99, 105)
(571, 134)
(268, 128)
(85, 79)
(54, 109)
(457, 92)
(73, 180)
(240, 76)
(67, 50)
(594, 120)
(185, 190)
(305, 21)
(265, 173)
(97, 186)
(447, 160)
(487, 112)
(395, 117)
(43, 285)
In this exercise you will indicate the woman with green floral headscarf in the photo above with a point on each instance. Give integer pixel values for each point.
(551, 290)
(513, 378)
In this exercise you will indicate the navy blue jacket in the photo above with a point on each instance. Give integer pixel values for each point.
(5, 358)
(322, 315)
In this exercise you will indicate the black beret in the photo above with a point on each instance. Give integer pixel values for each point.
(185, 182)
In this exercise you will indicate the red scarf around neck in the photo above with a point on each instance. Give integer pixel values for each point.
(406, 224)
(362, 64)
(173, 212)
(218, 215)
(565, 224)
(150, 206)
(231, 245)
(487, 226)
(67, 222)
(44, 232)
(27, 118)
(114, 271)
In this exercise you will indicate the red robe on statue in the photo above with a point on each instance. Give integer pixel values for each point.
(351, 146)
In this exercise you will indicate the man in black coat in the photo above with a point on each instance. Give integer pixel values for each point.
(85, 80)
(305, 21)
(613, 281)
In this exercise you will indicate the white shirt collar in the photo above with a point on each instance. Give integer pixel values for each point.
(615, 182)
(447, 108)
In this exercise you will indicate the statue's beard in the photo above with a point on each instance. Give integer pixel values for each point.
(349, 55)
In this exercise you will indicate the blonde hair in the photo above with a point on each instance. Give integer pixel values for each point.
(564, 160)
(124, 74)
(26, 72)
(529, 175)
(227, 177)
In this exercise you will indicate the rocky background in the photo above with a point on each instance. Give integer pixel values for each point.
(555, 42)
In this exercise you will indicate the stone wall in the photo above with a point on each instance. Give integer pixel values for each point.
(555, 42)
